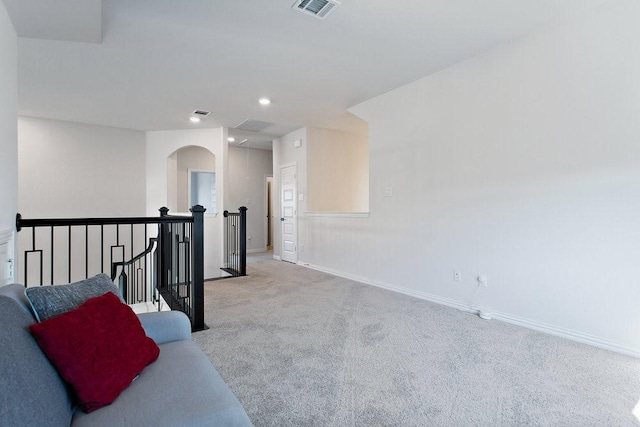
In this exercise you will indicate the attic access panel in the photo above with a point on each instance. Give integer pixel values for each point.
(253, 125)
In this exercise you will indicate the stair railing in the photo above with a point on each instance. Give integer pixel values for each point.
(65, 250)
(235, 225)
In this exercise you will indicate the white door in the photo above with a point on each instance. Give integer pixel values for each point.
(288, 217)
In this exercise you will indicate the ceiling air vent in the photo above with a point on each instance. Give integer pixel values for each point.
(253, 125)
(201, 113)
(318, 8)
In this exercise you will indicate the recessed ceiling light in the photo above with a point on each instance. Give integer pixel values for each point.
(231, 139)
(264, 101)
(194, 119)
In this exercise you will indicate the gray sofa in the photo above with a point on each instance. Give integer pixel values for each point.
(181, 388)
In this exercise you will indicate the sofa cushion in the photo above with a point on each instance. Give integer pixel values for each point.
(51, 301)
(182, 388)
(98, 348)
(31, 391)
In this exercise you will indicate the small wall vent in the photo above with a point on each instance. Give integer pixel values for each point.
(201, 113)
(318, 8)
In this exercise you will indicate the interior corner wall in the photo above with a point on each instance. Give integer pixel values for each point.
(248, 169)
(520, 164)
(285, 154)
(160, 145)
(76, 170)
(8, 122)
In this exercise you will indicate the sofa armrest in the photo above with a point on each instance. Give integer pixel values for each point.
(166, 326)
(16, 293)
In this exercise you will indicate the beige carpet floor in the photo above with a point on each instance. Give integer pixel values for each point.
(302, 348)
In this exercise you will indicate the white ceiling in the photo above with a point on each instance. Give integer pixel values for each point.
(71, 20)
(147, 64)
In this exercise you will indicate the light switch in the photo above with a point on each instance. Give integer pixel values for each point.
(388, 191)
(301, 197)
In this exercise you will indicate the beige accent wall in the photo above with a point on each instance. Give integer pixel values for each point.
(337, 171)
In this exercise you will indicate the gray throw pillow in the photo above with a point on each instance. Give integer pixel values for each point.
(31, 391)
(52, 301)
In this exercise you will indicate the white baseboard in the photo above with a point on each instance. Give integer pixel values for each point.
(422, 295)
(277, 257)
(568, 334)
(504, 317)
(256, 251)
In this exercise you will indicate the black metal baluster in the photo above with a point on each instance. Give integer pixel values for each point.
(146, 284)
(243, 241)
(101, 248)
(86, 251)
(69, 254)
(52, 282)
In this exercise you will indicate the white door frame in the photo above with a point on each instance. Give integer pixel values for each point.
(189, 201)
(268, 209)
(292, 254)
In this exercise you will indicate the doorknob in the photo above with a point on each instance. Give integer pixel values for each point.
(281, 219)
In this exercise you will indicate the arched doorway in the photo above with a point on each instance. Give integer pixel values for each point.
(191, 180)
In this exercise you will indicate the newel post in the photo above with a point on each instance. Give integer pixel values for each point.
(162, 254)
(197, 239)
(243, 240)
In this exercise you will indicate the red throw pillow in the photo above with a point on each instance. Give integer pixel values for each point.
(98, 348)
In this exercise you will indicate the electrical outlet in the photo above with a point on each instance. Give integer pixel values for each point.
(482, 280)
(457, 276)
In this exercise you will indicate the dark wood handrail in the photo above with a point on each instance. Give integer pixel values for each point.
(115, 265)
(57, 222)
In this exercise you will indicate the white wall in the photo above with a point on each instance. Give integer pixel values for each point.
(248, 169)
(521, 164)
(76, 170)
(8, 130)
(337, 171)
(160, 145)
